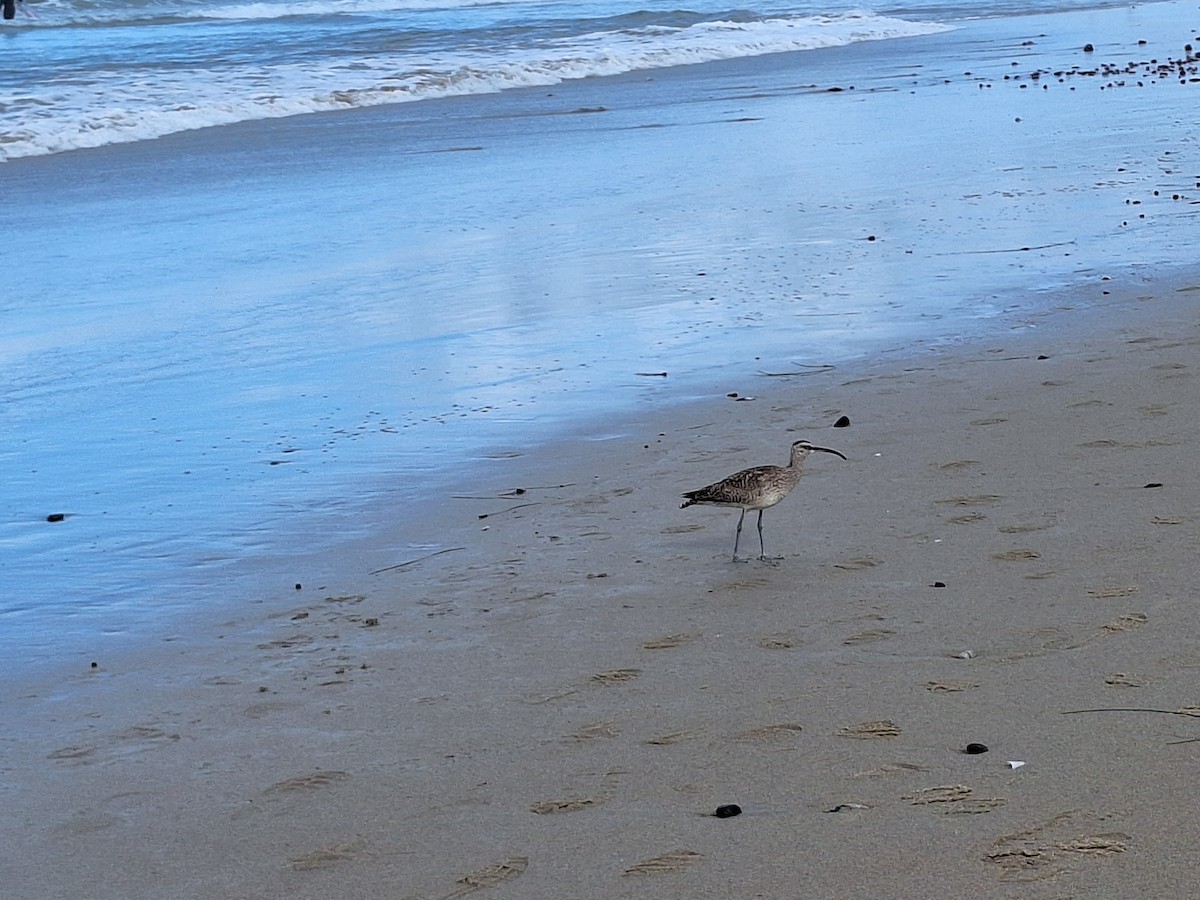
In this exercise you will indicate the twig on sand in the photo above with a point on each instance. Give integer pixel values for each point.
(1008, 250)
(510, 509)
(514, 492)
(417, 560)
(813, 370)
(1190, 712)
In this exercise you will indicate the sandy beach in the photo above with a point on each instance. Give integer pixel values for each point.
(535, 676)
(555, 703)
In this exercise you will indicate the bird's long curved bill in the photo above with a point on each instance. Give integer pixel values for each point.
(834, 452)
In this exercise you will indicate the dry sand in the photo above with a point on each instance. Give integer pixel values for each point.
(554, 705)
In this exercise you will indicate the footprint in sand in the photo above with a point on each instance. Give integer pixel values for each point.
(311, 781)
(870, 730)
(669, 642)
(1124, 679)
(681, 529)
(667, 864)
(1017, 555)
(1157, 409)
(118, 809)
(974, 806)
(869, 636)
(594, 731)
(1110, 592)
(946, 793)
(949, 687)
(1127, 622)
(769, 734)
(298, 640)
(957, 465)
(966, 519)
(1048, 850)
(72, 754)
(782, 641)
(675, 737)
(1021, 529)
(489, 876)
(572, 804)
(970, 500)
(857, 563)
(616, 676)
(1039, 642)
(327, 856)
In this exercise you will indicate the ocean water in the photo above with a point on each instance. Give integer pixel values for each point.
(85, 73)
(227, 342)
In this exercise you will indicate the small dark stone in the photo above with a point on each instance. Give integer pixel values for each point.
(975, 748)
(843, 422)
(1088, 48)
(95, 665)
(1153, 484)
(728, 811)
(299, 586)
(56, 517)
(939, 584)
(1042, 356)
(870, 237)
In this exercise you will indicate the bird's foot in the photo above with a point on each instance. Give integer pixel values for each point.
(737, 558)
(771, 560)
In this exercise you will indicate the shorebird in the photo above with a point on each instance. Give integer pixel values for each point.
(760, 487)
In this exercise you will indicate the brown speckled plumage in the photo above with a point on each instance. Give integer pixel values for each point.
(760, 487)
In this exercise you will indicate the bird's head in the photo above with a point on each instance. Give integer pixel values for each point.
(803, 449)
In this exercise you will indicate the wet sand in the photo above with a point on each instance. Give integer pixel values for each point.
(552, 701)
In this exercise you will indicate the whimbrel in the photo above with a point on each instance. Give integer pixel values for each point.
(758, 488)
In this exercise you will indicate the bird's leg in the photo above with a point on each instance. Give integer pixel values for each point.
(762, 550)
(739, 536)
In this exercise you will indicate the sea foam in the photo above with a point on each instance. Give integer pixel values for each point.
(104, 106)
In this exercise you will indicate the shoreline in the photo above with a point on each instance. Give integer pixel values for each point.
(560, 701)
(649, 259)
